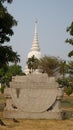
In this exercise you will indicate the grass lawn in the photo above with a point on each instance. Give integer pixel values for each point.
(67, 103)
(37, 125)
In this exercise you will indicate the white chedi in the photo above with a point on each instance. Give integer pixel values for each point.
(35, 50)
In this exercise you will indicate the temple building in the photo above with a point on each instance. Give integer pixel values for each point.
(35, 49)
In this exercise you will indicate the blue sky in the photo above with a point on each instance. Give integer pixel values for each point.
(54, 16)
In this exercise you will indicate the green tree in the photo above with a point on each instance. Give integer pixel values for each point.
(63, 69)
(65, 80)
(16, 58)
(70, 40)
(7, 21)
(7, 55)
(68, 82)
(49, 64)
(1, 72)
(70, 68)
(12, 70)
(32, 63)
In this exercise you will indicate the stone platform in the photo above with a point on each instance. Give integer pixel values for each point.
(34, 96)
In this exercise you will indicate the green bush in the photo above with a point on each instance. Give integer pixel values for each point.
(68, 90)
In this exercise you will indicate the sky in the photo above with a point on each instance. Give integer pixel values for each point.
(54, 16)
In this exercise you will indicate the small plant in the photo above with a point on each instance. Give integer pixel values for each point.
(2, 89)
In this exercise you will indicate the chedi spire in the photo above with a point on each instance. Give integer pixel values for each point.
(35, 45)
(35, 50)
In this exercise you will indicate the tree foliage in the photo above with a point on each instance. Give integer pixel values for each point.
(9, 1)
(67, 84)
(70, 40)
(49, 65)
(12, 70)
(32, 63)
(54, 66)
(7, 21)
(67, 81)
(70, 68)
(7, 55)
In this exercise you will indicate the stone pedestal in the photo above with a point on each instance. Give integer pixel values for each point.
(35, 96)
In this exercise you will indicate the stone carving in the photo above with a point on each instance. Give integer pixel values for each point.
(36, 96)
